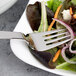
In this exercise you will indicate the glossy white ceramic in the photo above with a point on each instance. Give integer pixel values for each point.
(21, 50)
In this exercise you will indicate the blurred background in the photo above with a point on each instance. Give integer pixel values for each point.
(10, 65)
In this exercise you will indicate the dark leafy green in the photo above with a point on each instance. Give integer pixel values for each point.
(33, 13)
(34, 18)
(74, 45)
(46, 56)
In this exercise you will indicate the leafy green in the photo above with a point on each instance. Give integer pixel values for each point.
(60, 17)
(53, 4)
(60, 60)
(50, 4)
(41, 29)
(68, 66)
(56, 4)
(73, 1)
(52, 51)
(44, 24)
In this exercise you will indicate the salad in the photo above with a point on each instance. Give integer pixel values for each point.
(51, 15)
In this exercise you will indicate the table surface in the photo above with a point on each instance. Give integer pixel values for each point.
(10, 65)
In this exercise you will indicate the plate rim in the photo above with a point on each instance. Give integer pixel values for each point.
(51, 71)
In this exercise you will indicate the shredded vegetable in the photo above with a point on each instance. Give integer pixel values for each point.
(56, 55)
(56, 14)
(74, 16)
(71, 11)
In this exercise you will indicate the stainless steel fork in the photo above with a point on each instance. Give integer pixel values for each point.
(39, 41)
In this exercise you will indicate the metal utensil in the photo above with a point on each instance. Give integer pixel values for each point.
(41, 41)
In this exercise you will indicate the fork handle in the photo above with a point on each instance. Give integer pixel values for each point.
(11, 35)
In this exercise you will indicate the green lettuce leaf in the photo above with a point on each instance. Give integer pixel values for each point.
(44, 24)
(56, 4)
(50, 4)
(67, 66)
(73, 1)
(53, 4)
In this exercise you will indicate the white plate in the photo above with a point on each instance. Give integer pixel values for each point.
(21, 50)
